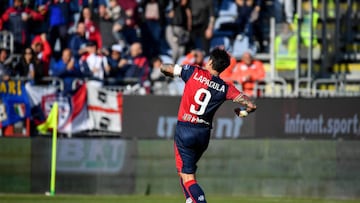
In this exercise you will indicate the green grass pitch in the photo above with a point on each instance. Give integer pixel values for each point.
(20, 198)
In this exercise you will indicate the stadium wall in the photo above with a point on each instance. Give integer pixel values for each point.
(290, 147)
(261, 167)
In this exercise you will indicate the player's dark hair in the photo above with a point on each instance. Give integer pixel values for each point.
(220, 59)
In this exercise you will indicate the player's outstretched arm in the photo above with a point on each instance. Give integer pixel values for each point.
(171, 70)
(167, 69)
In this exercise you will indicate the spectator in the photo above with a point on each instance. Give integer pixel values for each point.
(248, 13)
(93, 5)
(29, 66)
(203, 18)
(159, 83)
(305, 23)
(226, 74)
(92, 32)
(130, 30)
(138, 66)
(247, 72)
(25, 66)
(178, 32)
(117, 64)
(156, 74)
(285, 45)
(59, 20)
(78, 41)
(119, 27)
(18, 18)
(43, 51)
(108, 16)
(152, 27)
(95, 65)
(65, 68)
(195, 57)
(5, 68)
(284, 8)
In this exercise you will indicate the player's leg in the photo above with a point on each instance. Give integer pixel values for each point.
(188, 150)
(186, 194)
(193, 188)
(179, 165)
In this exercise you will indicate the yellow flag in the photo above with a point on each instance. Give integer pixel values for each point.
(51, 121)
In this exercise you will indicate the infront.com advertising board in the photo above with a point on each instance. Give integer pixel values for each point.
(309, 118)
(155, 117)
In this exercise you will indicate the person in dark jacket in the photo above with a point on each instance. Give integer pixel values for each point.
(16, 19)
(29, 66)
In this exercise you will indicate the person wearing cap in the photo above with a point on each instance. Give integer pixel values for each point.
(117, 64)
(94, 64)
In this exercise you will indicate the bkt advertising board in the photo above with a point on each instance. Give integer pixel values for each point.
(155, 117)
(84, 165)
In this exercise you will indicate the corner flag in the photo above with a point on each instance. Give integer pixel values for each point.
(51, 122)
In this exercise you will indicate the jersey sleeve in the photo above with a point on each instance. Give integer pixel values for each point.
(186, 72)
(232, 92)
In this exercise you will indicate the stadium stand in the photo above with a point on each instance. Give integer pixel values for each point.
(336, 31)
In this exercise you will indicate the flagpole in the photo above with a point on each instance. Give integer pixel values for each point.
(54, 124)
(53, 162)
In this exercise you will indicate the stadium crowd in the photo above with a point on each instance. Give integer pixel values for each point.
(116, 42)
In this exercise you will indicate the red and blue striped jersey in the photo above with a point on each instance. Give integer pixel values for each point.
(203, 95)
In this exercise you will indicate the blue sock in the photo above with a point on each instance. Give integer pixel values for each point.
(195, 191)
(187, 195)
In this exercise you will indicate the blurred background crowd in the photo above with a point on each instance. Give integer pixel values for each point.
(119, 42)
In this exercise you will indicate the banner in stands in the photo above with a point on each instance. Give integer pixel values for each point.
(309, 118)
(155, 117)
(73, 113)
(90, 166)
(14, 102)
(105, 109)
(89, 108)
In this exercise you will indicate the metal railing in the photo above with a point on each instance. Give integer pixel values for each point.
(7, 41)
(275, 87)
(326, 87)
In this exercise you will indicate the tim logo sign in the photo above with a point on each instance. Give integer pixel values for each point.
(91, 156)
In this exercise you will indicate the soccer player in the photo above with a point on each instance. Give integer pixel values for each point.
(203, 94)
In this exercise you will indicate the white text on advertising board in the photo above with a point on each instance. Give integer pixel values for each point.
(91, 156)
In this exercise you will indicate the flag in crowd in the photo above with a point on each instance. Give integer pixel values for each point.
(14, 104)
(105, 109)
(73, 115)
(98, 109)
